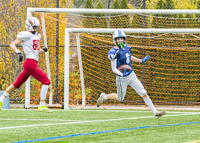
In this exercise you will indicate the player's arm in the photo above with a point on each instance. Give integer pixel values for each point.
(45, 49)
(114, 67)
(14, 44)
(41, 51)
(134, 59)
(140, 60)
(14, 48)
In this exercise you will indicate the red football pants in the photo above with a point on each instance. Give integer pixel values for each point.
(31, 68)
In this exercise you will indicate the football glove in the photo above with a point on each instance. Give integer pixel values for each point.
(145, 59)
(125, 73)
(20, 56)
(45, 49)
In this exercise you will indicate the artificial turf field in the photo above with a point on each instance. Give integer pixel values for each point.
(107, 126)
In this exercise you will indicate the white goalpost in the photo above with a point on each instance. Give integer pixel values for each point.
(94, 30)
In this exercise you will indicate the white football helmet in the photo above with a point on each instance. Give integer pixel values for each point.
(31, 22)
(119, 34)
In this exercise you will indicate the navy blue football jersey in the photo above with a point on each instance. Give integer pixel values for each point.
(122, 55)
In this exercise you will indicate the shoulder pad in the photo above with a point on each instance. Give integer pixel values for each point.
(127, 46)
(23, 35)
(38, 35)
(112, 53)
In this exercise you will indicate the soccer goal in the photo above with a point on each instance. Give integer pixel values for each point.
(171, 76)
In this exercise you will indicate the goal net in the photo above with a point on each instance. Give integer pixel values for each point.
(171, 76)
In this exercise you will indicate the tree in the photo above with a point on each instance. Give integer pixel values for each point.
(124, 4)
(167, 20)
(139, 19)
(88, 19)
(169, 4)
(156, 23)
(197, 21)
(101, 21)
(89, 4)
(114, 18)
(198, 7)
(125, 18)
(171, 21)
(78, 3)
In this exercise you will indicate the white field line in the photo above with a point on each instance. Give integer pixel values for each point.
(119, 110)
(100, 110)
(38, 120)
(25, 126)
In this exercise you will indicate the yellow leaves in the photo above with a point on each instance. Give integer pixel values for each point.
(131, 6)
(179, 4)
(184, 4)
(70, 53)
(70, 4)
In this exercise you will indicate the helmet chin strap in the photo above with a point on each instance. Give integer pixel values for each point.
(33, 32)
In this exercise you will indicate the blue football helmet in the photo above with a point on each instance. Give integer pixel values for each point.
(119, 34)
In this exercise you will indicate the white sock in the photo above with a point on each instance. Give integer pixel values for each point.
(2, 98)
(150, 104)
(44, 90)
(42, 103)
(105, 96)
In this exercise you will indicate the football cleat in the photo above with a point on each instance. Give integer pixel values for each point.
(159, 114)
(100, 100)
(44, 109)
(1, 104)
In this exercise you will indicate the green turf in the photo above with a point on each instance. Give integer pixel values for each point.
(46, 125)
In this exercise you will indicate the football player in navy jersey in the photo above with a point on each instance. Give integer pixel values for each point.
(120, 56)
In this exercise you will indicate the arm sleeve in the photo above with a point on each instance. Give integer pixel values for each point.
(22, 36)
(114, 69)
(112, 54)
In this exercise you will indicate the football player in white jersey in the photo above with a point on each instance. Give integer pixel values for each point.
(30, 41)
(120, 56)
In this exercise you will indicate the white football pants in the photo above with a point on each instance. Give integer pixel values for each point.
(132, 80)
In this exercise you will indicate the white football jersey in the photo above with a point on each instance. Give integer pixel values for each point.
(30, 43)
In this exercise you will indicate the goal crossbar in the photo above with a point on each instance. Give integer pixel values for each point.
(114, 11)
(144, 30)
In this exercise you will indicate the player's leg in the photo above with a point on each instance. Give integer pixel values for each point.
(9, 90)
(22, 77)
(40, 75)
(148, 101)
(121, 91)
(46, 82)
(121, 84)
(103, 97)
(139, 88)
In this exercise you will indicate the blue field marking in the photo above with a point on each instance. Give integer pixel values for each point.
(93, 133)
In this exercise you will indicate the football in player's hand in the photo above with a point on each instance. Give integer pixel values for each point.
(122, 67)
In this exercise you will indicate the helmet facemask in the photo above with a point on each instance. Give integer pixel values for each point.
(119, 34)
